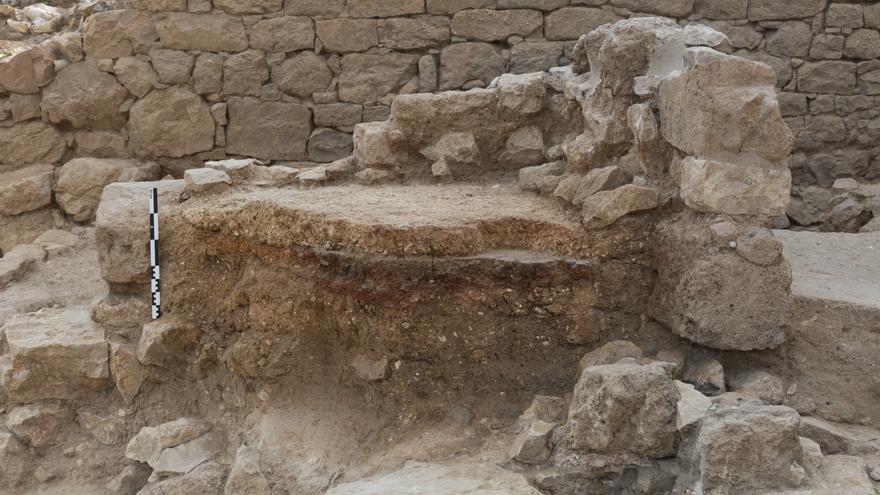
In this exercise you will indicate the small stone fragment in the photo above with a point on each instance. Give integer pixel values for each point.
(610, 353)
(532, 445)
(206, 180)
(706, 374)
(166, 341)
(38, 424)
(371, 370)
(606, 207)
(692, 405)
(759, 246)
(245, 476)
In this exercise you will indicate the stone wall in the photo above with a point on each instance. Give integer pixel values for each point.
(181, 81)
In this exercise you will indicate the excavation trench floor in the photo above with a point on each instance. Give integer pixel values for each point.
(842, 268)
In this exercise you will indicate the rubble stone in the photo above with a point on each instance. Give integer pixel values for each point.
(81, 181)
(532, 445)
(26, 189)
(18, 262)
(118, 33)
(763, 385)
(210, 33)
(268, 130)
(463, 62)
(692, 406)
(206, 478)
(38, 424)
(706, 374)
(149, 443)
(245, 476)
(56, 354)
(759, 246)
(366, 78)
(31, 142)
(495, 25)
(127, 372)
(302, 75)
(371, 370)
(165, 342)
(137, 75)
(736, 189)
(283, 34)
(28, 71)
(623, 408)
(605, 207)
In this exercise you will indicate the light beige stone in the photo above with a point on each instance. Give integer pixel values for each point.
(606, 207)
(84, 96)
(171, 122)
(81, 181)
(26, 189)
(713, 186)
(268, 130)
(210, 33)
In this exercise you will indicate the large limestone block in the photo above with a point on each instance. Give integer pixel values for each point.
(56, 354)
(348, 35)
(623, 409)
(122, 229)
(366, 78)
(283, 34)
(748, 449)
(765, 10)
(26, 189)
(38, 424)
(210, 33)
(606, 207)
(670, 8)
(159, 5)
(81, 181)
(149, 443)
(495, 25)
(171, 122)
(570, 23)
(411, 34)
(385, 8)
(31, 142)
(118, 33)
(464, 62)
(28, 71)
(268, 130)
(240, 7)
(84, 96)
(302, 75)
(137, 75)
(736, 189)
(726, 302)
(725, 106)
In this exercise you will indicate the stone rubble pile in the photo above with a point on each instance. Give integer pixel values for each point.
(633, 416)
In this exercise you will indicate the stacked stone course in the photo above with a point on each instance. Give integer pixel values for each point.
(182, 81)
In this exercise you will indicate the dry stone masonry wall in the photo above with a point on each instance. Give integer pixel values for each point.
(179, 82)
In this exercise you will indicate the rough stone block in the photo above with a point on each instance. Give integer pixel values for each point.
(268, 130)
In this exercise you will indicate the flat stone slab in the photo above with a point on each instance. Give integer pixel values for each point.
(417, 478)
(834, 267)
(436, 220)
(54, 354)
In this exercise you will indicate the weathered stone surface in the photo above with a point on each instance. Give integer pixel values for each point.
(722, 9)
(205, 479)
(38, 424)
(166, 341)
(328, 145)
(541, 178)
(692, 405)
(610, 353)
(534, 56)
(843, 15)
(463, 62)
(863, 44)
(23, 107)
(137, 75)
(416, 33)
(171, 122)
(736, 112)
(366, 78)
(791, 39)
(239, 7)
(385, 8)
(122, 230)
(13, 463)
(453, 6)
(522, 93)
(670, 8)
(159, 5)
(206, 180)
(759, 246)
(623, 408)
(443, 479)
(766, 10)
(149, 443)
(318, 9)
(244, 73)
(56, 241)
(208, 73)
(127, 372)
(28, 71)
(118, 33)
(596, 180)
(872, 16)
(840, 438)
(245, 476)
(747, 449)
(268, 130)
(210, 33)
(84, 96)
(56, 354)
(523, 148)
(302, 75)
(185, 457)
(348, 35)
(17, 262)
(570, 23)
(339, 115)
(283, 34)
(827, 77)
(81, 181)
(532, 445)
(606, 207)
(726, 302)
(172, 66)
(712, 186)
(31, 142)
(495, 25)
(26, 189)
